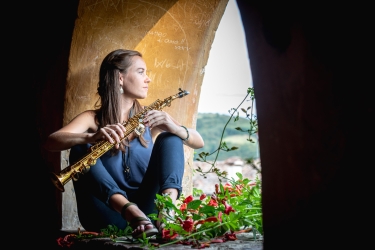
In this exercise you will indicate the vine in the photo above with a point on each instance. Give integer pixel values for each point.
(251, 130)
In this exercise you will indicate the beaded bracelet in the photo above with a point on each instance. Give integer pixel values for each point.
(187, 131)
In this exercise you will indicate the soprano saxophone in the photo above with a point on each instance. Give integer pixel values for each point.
(135, 124)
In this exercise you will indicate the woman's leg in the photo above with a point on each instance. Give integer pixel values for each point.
(164, 174)
(100, 202)
(93, 191)
(94, 214)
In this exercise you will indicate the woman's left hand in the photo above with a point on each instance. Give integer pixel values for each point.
(160, 119)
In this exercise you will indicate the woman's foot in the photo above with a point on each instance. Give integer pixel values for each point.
(138, 221)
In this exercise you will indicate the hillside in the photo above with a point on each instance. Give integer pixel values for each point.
(211, 127)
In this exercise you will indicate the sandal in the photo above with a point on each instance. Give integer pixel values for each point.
(135, 222)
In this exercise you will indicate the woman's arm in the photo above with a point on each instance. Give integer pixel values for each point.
(83, 129)
(160, 121)
(76, 132)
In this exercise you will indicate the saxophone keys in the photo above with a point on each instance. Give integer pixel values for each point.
(86, 169)
(140, 129)
(75, 176)
(90, 162)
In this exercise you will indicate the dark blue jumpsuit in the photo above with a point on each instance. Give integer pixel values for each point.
(150, 171)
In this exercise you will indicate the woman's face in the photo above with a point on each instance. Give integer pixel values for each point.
(135, 81)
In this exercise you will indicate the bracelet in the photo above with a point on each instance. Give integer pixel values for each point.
(187, 132)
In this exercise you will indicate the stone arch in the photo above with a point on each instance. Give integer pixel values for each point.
(174, 37)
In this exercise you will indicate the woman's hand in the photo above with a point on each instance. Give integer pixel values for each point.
(160, 119)
(112, 133)
(163, 121)
(84, 129)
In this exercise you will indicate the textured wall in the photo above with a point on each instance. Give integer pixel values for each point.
(174, 37)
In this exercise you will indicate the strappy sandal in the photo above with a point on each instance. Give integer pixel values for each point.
(135, 222)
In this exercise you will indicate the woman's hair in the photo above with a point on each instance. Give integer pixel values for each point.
(108, 109)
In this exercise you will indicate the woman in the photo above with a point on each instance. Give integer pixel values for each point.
(122, 186)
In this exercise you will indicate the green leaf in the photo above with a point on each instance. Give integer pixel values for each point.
(239, 175)
(208, 210)
(194, 204)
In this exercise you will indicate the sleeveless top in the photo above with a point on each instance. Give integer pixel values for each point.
(128, 169)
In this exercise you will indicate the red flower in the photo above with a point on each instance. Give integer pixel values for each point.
(67, 241)
(219, 216)
(217, 188)
(203, 196)
(228, 186)
(230, 236)
(188, 199)
(168, 235)
(228, 208)
(199, 222)
(252, 183)
(212, 203)
(188, 224)
(183, 207)
(212, 219)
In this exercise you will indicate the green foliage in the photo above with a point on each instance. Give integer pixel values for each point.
(234, 207)
(113, 231)
(210, 126)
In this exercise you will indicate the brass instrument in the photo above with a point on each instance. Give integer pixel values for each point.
(135, 124)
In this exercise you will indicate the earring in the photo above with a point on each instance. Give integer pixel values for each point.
(121, 90)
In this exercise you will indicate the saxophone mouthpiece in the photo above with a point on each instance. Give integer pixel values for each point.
(182, 93)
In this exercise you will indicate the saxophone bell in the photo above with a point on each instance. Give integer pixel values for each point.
(58, 181)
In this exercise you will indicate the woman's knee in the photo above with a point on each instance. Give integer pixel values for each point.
(169, 139)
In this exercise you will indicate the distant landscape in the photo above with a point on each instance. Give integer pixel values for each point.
(211, 127)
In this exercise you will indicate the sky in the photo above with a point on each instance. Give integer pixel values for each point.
(227, 73)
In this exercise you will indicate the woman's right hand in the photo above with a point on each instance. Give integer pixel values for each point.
(81, 131)
(112, 133)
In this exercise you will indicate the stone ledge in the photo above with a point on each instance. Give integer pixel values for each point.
(244, 241)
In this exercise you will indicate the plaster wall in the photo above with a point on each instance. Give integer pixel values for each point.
(174, 37)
